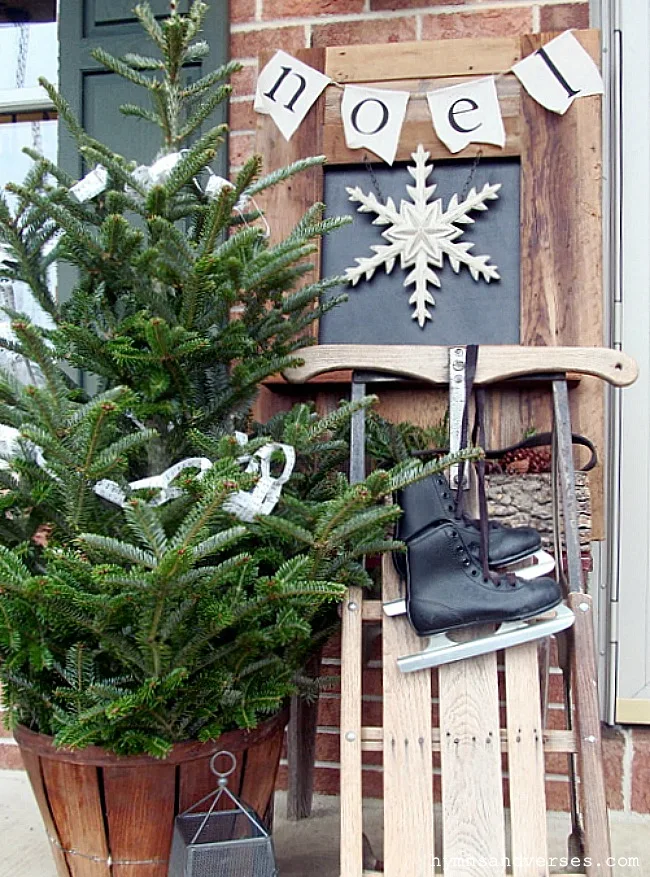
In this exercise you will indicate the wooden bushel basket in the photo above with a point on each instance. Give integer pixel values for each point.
(108, 816)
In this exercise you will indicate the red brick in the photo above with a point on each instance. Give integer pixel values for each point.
(248, 44)
(564, 16)
(10, 758)
(613, 753)
(242, 146)
(380, 5)
(557, 795)
(328, 747)
(304, 8)
(332, 648)
(4, 731)
(490, 23)
(242, 11)
(641, 770)
(343, 33)
(557, 763)
(373, 681)
(243, 83)
(242, 116)
(555, 688)
(556, 720)
(372, 784)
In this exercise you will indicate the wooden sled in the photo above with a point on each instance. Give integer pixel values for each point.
(472, 735)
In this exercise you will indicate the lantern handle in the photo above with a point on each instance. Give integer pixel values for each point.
(221, 774)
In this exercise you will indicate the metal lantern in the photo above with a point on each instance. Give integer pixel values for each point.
(221, 843)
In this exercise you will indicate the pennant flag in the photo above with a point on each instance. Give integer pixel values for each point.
(286, 90)
(467, 113)
(373, 118)
(558, 73)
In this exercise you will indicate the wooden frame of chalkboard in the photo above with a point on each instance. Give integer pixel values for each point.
(560, 161)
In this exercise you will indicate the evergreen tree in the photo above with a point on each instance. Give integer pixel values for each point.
(136, 625)
(164, 259)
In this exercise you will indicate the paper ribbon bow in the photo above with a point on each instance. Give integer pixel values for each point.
(261, 500)
(246, 505)
(158, 173)
(112, 491)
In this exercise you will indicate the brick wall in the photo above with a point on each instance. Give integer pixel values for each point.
(298, 24)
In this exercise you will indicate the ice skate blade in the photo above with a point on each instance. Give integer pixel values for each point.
(442, 650)
(545, 564)
(395, 607)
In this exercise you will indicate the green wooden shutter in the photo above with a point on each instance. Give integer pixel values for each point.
(96, 95)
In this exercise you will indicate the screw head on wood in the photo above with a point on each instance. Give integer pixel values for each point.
(350, 736)
(352, 606)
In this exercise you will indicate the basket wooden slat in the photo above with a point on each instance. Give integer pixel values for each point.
(108, 816)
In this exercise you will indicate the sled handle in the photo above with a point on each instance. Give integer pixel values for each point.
(495, 362)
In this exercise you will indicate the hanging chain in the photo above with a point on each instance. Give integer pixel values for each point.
(373, 178)
(23, 46)
(472, 173)
(466, 187)
(21, 75)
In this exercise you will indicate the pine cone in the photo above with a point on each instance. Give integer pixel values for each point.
(522, 460)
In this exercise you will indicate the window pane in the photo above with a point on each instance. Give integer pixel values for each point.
(14, 164)
(39, 44)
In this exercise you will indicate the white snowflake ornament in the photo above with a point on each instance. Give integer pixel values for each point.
(421, 233)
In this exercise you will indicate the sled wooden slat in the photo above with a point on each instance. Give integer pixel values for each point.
(526, 762)
(351, 790)
(407, 751)
(473, 827)
(553, 741)
(587, 723)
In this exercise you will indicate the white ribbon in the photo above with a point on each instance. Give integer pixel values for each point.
(261, 500)
(246, 505)
(215, 186)
(112, 491)
(91, 185)
(157, 173)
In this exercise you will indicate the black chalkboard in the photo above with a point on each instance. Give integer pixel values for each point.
(466, 311)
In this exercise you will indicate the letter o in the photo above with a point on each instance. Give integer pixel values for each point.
(355, 114)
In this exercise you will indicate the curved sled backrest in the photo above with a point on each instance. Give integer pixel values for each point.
(495, 362)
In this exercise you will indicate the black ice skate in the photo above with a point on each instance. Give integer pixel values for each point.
(431, 500)
(448, 589)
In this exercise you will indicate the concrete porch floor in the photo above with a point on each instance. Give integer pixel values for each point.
(299, 846)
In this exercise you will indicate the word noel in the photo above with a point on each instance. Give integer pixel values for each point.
(554, 76)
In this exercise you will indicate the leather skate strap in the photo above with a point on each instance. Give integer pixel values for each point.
(480, 469)
(545, 439)
(540, 440)
(471, 358)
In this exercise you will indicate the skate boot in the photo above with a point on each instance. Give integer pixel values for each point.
(448, 589)
(431, 499)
